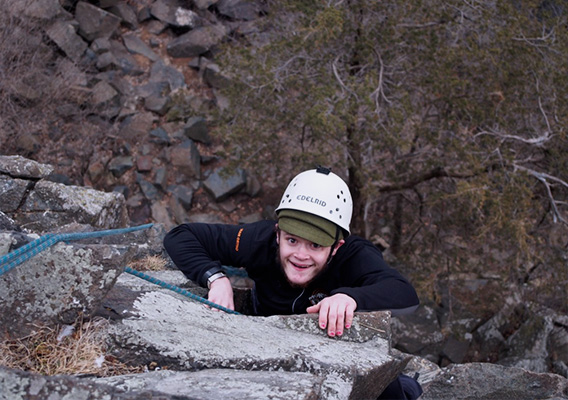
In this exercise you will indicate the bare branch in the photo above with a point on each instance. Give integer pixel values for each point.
(379, 90)
(538, 141)
(545, 178)
(471, 4)
(531, 41)
(289, 61)
(418, 26)
(438, 172)
(541, 109)
(540, 43)
(542, 175)
(343, 86)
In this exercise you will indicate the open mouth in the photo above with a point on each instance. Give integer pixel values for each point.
(299, 266)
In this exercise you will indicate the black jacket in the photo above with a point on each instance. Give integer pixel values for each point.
(357, 269)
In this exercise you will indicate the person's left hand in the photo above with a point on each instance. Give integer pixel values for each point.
(335, 313)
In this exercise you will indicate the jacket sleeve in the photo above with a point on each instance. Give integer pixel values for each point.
(372, 282)
(198, 248)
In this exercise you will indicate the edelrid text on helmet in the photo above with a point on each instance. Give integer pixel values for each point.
(322, 193)
(310, 199)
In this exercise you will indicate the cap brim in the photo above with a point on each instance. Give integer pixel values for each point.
(305, 230)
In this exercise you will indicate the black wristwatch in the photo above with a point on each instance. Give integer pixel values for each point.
(214, 277)
(211, 275)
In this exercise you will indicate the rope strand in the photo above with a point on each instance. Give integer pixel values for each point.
(18, 256)
(179, 290)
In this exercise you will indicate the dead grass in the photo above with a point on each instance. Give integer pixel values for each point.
(72, 350)
(68, 350)
(149, 263)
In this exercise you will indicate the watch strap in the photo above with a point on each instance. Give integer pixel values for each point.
(209, 273)
(214, 277)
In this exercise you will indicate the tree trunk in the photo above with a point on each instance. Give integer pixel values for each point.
(356, 183)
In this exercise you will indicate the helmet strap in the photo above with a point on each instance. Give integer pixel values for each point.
(337, 232)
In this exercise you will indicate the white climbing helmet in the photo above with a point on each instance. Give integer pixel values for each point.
(322, 193)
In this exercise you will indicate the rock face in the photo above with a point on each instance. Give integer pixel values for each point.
(196, 42)
(520, 334)
(142, 73)
(38, 204)
(53, 281)
(20, 167)
(495, 382)
(47, 203)
(227, 384)
(204, 354)
(57, 286)
(17, 384)
(181, 335)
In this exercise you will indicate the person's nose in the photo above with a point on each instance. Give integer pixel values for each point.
(302, 252)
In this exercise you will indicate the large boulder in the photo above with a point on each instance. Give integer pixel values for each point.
(155, 325)
(12, 191)
(494, 382)
(43, 10)
(186, 158)
(223, 183)
(239, 9)
(21, 167)
(518, 333)
(225, 384)
(16, 384)
(53, 204)
(170, 13)
(63, 33)
(57, 286)
(196, 41)
(40, 205)
(95, 22)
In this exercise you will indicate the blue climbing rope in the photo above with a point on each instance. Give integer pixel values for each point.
(178, 290)
(31, 249)
(24, 253)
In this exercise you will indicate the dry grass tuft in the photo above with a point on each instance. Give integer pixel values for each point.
(149, 263)
(70, 350)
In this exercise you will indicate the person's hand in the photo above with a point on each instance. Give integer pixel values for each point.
(221, 293)
(335, 313)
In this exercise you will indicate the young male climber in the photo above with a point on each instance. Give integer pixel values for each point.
(305, 262)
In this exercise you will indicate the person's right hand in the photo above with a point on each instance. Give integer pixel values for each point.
(221, 293)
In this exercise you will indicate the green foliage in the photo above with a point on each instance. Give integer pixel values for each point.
(455, 107)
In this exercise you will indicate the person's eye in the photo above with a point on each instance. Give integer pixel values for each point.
(291, 240)
(316, 246)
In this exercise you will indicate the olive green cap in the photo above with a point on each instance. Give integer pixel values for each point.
(309, 226)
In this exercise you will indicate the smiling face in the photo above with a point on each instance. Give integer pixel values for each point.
(302, 261)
